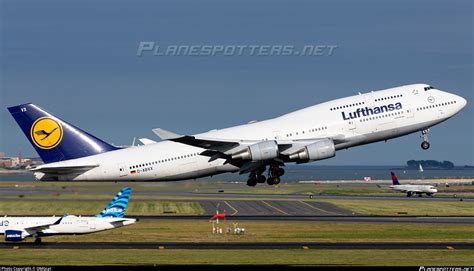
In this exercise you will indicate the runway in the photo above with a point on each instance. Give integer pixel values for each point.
(239, 245)
(335, 219)
(272, 208)
(230, 195)
(313, 218)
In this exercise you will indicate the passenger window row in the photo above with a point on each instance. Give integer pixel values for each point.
(388, 98)
(165, 160)
(381, 116)
(435, 105)
(309, 131)
(346, 106)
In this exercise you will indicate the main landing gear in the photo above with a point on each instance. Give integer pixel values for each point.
(424, 135)
(37, 240)
(256, 177)
(274, 174)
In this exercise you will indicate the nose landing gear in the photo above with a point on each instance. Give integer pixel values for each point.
(424, 135)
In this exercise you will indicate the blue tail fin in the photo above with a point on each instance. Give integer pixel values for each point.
(117, 206)
(394, 179)
(54, 139)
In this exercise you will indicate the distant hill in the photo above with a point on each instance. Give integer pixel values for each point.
(430, 164)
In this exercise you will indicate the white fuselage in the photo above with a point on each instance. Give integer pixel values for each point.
(356, 119)
(68, 225)
(415, 188)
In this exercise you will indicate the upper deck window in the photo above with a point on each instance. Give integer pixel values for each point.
(428, 88)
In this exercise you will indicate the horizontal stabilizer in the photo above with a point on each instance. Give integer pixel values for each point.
(63, 169)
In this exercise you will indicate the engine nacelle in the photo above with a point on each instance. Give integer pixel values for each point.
(320, 150)
(264, 150)
(14, 235)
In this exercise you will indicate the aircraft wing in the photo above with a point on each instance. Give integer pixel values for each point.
(49, 169)
(225, 145)
(217, 148)
(205, 143)
(37, 228)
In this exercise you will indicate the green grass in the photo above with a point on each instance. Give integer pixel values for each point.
(169, 206)
(366, 189)
(276, 231)
(258, 257)
(89, 198)
(83, 207)
(413, 208)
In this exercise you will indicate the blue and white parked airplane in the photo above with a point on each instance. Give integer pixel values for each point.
(306, 135)
(18, 228)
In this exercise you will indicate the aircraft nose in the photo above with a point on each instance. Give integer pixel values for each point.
(462, 102)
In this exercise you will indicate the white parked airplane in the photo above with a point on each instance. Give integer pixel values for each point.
(412, 189)
(306, 135)
(18, 228)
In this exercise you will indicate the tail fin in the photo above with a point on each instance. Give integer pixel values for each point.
(117, 206)
(54, 139)
(394, 179)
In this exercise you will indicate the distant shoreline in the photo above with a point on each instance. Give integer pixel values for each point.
(13, 171)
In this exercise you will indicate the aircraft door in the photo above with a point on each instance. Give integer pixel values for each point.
(351, 125)
(92, 225)
(369, 100)
(122, 170)
(276, 135)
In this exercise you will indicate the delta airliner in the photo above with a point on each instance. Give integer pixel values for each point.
(259, 148)
(412, 189)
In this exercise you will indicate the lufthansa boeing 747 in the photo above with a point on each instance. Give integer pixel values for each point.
(259, 148)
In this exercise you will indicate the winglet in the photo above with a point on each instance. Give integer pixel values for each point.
(165, 135)
(59, 221)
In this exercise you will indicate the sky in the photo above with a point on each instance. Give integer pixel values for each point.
(78, 60)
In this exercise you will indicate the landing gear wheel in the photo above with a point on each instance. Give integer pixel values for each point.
(424, 136)
(276, 180)
(261, 179)
(420, 195)
(270, 181)
(252, 182)
(425, 145)
(38, 240)
(274, 174)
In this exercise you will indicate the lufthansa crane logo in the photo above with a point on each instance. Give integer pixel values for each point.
(46, 133)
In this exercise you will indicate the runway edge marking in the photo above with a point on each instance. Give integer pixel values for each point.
(319, 209)
(271, 206)
(235, 210)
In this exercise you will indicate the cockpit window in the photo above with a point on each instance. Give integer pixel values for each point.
(428, 88)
